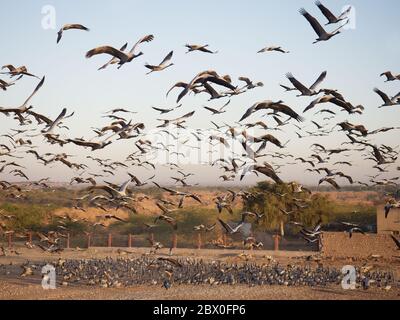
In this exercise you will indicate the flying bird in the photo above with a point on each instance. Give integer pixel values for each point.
(19, 71)
(319, 30)
(334, 100)
(113, 60)
(390, 77)
(123, 57)
(202, 48)
(265, 169)
(70, 27)
(331, 181)
(4, 84)
(250, 84)
(303, 89)
(229, 229)
(388, 101)
(217, 111)
(276, 107)
(273, 48)
(396, 241)
(330, 16)
(163, 65)
(354, 230)
(24, 107)
(389, 206)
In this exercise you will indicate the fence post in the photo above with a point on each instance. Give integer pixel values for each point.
(282, 229)
(88, 240)
(30, 238)
(276, 242)
(174, 240)
(109, 240)
(129, 241)
(319, 242)
(10, 240)
(199, 240)
(68, 239)
(224, 239)
(152, 237)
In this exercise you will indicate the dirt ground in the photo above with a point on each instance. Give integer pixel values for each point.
(14, 287)
(17, 290)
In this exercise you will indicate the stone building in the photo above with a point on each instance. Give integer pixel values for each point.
(389, 225)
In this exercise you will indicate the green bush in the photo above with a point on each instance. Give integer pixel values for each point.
(27, 217)
(318, 207)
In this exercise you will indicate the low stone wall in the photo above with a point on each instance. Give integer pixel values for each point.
(339, 245)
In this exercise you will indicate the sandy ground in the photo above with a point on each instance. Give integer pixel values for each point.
(18, 290)
(12, 286)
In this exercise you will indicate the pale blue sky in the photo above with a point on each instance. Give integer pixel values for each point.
(238, 29)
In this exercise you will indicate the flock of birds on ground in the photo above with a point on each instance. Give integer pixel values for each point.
(164, 271)
(249, 159)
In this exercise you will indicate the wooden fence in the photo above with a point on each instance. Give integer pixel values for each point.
(199, 241)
